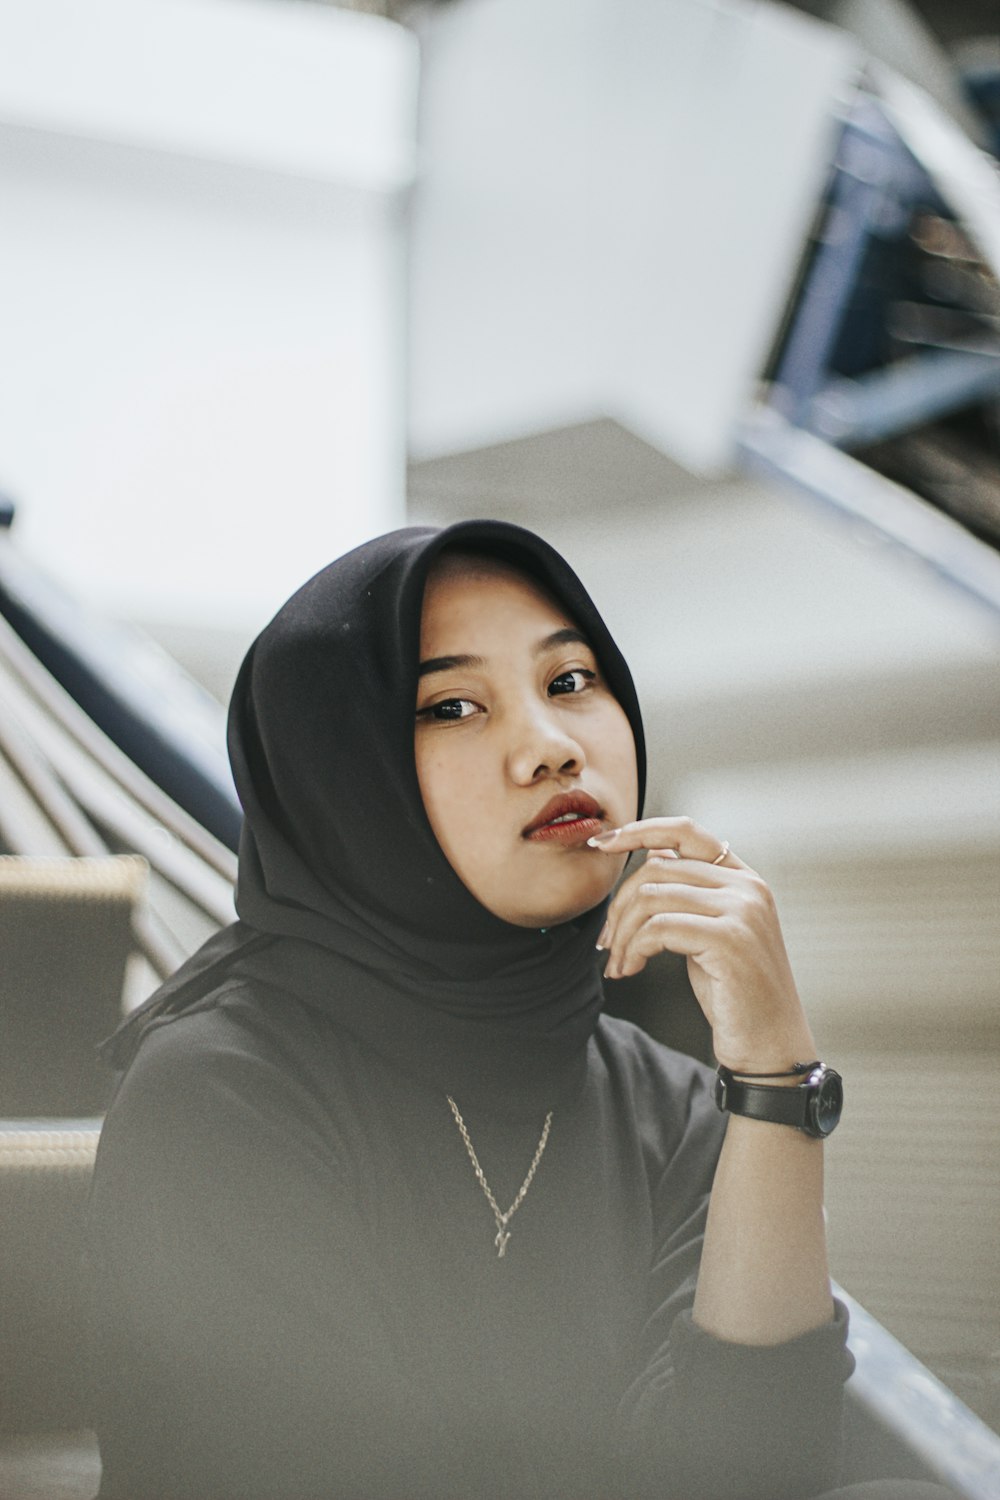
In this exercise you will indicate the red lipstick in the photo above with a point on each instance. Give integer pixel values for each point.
(571, 818)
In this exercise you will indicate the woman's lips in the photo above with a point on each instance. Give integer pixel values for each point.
(573, 831)
(571, 818)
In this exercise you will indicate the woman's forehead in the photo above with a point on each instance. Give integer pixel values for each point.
(467, 589)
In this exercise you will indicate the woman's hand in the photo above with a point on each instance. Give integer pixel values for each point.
(763, 1276)
(722, 916)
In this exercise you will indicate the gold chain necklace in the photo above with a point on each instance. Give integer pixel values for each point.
(503, 1233)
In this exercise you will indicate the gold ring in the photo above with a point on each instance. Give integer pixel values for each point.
(721, 854)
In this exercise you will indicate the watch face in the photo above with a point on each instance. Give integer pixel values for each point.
(827, 1103)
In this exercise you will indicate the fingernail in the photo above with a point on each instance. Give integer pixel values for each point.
(598, 840)
(603, 938)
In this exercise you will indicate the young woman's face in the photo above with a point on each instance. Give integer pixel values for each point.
(522, 752)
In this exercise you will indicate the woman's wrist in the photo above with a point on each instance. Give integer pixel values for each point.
(776, 1078)
(768, 1055)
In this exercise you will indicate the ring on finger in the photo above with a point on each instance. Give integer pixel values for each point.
(721, 854)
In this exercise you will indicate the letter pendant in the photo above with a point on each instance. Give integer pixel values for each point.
(503, 1235)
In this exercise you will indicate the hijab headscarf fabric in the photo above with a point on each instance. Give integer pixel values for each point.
(345, 898)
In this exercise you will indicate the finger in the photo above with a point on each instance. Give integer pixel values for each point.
(688, 933)
(667, 871)
(681, 872)
(654, 899)
(682, 835)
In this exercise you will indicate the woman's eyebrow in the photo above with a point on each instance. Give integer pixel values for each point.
(446, 663)
(567, 636)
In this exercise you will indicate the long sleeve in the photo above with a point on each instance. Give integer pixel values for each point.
(706, 1418)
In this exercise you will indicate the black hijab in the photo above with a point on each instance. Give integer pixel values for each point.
(344, 896)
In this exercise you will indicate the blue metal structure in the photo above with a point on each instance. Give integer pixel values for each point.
(827, 378)
(847, 377)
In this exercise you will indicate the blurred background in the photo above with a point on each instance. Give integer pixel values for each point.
(707, 292)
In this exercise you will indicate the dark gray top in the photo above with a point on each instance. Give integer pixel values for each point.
(298, 1295)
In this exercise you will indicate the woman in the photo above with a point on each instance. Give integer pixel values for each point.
(384, 1207)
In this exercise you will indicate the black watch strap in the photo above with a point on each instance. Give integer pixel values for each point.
(812, 1106)
(761, 1101)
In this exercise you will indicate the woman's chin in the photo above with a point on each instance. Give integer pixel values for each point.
(556, 910)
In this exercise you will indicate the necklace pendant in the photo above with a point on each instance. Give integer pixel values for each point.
(502, 1239)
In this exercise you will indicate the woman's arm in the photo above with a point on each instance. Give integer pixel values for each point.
(763, 1277)
(739, 1388)
(704, 1417)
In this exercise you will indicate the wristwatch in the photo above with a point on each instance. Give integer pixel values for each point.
(813, 1106)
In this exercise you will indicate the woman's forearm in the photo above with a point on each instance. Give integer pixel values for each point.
(764, 1276)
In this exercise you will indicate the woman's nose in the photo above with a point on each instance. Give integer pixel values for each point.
(542, 746)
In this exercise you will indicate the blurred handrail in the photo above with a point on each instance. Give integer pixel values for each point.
(73, 827)
(54, 698)
(920, 1412)
(159, 716)
(156, 944)
(93, 792)
(770, 445)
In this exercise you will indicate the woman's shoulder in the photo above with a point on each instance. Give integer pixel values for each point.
(242, 1054)
(239, 1025)
(218, 1122)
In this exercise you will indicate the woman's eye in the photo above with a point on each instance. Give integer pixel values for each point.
(572, 682)
(448, 710)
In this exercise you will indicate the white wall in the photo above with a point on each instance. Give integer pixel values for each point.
(201, 273)
(613, 202)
